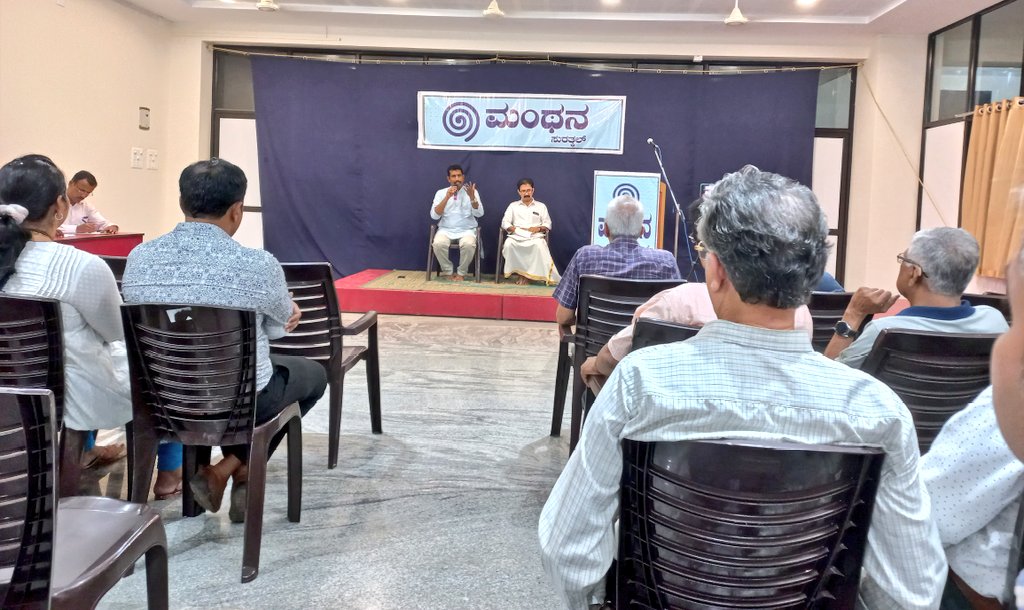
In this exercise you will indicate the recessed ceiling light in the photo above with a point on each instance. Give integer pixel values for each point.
(611, 2)
(806, 3)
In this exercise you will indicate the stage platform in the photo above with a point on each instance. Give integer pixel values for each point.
(408, 292)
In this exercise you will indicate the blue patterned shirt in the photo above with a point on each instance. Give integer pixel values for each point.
(198, 263)
(623, 257)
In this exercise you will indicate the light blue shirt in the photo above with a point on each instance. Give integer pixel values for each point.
(737, 381)
(199, 264)
(459, 217)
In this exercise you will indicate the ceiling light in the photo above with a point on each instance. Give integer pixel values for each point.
(493, 10)
(806, 3)
(736, 16)
(267, 5)
(611, 2)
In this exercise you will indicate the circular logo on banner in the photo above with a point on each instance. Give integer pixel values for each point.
(461, 119)
(626, 189)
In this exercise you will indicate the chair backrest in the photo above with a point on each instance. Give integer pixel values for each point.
(826, 308)
(606, 306)
(648, 332)
(318, 335)
(27, 474)
(117, 265)
(936, 374)
(740, 524)
(193, 371)
(1016, 563)
(997, 301)
(32, 346)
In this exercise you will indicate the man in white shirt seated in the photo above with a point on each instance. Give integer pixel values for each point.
(749, 374)
(934, 272)
(456, 210)
(526, 223)
(83, 217)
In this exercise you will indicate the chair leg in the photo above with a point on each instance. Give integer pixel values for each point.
(193, 457)
(143, 450)
(129, 441)
(373, 384)
(72, 446)
(576, 424)
(156, 578)
(295, 469)
(336, 389)
(257, 489)
(562, 370)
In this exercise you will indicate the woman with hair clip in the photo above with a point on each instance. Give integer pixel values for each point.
(33, 203)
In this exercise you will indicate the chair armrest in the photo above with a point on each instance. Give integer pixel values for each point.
(594, 384)
(565, 334)
(367, 320)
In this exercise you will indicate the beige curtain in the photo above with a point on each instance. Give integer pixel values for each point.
(994, 183)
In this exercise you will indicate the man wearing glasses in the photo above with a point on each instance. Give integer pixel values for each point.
(83, 217)
(934, 272)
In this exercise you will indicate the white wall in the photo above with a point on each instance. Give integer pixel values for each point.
(71, 81)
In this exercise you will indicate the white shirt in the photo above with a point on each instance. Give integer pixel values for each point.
(82, 212)
(459, 217)
(975, 483)
(737, 381)
(523, 216)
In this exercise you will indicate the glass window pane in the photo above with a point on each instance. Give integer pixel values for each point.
(232, 87)
(999, 54)
(834, 98)
(950, 57)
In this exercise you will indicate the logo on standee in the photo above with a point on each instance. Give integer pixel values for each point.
(626, 189)
(461, 119)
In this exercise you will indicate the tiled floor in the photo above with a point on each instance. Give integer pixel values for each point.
(438, 512)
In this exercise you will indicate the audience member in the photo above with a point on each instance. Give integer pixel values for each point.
(622, 257)
(83, 216)
(456, 210)
(828, 283)
(1008, 363)
(934, 272)
(748, 374)
(198, 263)
(33, 202)
(527, 225)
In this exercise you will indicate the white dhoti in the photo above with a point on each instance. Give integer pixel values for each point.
(530, 258)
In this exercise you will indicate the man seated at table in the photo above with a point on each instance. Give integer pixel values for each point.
(622, 257)
(456, 210)
(527, 223)
(198, 263)
(934, 272)
(83, 217)
(749, 374)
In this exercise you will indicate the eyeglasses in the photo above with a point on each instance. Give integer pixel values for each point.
(699, 247)
(903, 260)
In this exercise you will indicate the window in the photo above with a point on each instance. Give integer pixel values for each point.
(1000, 50)
(951, 54)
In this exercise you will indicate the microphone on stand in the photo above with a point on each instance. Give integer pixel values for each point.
(680, 217)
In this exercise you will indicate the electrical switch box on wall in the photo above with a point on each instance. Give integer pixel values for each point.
(136, 157)
(150, 158)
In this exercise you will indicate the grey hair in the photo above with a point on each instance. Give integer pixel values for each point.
(624, 217)
(770, 235)
(948, 257)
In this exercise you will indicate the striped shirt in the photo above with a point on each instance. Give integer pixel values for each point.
(623, 257)
(737, 381)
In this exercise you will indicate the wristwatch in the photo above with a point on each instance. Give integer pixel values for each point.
(845, 330)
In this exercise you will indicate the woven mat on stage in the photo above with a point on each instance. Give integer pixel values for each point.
(415, 281)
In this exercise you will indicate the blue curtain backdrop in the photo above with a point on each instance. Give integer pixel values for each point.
(342, 180)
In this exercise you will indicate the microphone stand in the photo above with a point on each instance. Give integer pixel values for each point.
(680, 217)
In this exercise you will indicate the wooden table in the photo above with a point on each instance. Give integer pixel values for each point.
(102, 244)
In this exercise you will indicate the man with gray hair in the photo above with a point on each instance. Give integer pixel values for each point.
(622, 257)
(934, 272)
(749, 374)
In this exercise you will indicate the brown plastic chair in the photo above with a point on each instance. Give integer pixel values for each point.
(319, 336)
(117, 265)
(936, 374)
(432, 266)
(742, 524)
(500, 257)
(72, 558)
(32, 356)
(826, 308)
(605, 306)
(649, 331)
(996, 301)
(193, 374)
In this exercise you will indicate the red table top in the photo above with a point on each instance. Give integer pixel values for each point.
(103, 244)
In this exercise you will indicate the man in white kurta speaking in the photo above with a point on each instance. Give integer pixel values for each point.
(456, 210)
(526, 224)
